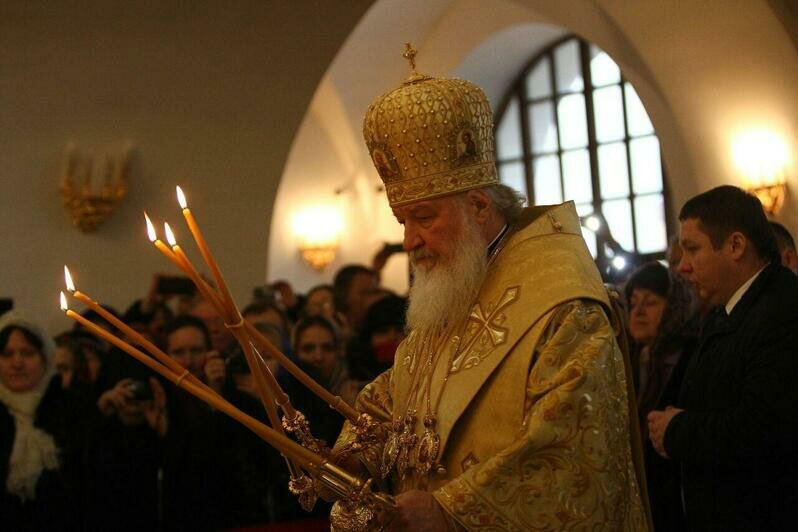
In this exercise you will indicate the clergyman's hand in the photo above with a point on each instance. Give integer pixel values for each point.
(658, 421)
(417, 511)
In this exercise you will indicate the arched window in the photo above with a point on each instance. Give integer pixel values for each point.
(572, 128)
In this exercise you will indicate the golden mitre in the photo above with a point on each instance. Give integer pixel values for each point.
(430, 137)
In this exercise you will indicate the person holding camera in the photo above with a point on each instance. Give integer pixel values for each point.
(124, 455)
(214, 470)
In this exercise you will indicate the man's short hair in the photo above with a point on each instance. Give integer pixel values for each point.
(726, 209)
(186, 320)
(343, 281)
(784, 239)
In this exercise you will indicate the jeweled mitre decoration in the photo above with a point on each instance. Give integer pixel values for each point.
(431, 137)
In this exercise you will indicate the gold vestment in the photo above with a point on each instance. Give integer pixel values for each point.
(534, 419)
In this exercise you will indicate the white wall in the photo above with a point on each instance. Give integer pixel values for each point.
(210, 92)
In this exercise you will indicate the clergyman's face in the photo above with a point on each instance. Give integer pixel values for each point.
(431, 228)
(705, 267)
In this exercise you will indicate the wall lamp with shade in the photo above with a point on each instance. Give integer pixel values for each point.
(762, 158)
(318, 232)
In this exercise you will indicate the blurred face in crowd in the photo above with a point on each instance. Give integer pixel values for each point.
(645, 314)
(187, 346)
(448, 255)
(708, 270)
(64, 362)
(22, 365)
(789, 259)
(270, 316)
(93, 363)
(221, 337)
(316, 346)
(321, 302)
(385, 341)
(362, 285)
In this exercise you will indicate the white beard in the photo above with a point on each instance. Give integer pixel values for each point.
(443, 296)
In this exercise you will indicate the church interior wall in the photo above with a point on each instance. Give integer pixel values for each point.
(255, 109)
(210, 93)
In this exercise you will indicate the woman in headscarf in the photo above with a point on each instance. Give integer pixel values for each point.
(39, 433)
(663, 331)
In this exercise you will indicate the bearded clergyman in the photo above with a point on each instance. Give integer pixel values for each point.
(507, 406)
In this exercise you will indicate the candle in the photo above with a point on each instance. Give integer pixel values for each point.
(163, 248)
(265, 383)
(127, 330)
(227, 298)
(227, 309)
(290, 448)
(334, 401)
(188, 268)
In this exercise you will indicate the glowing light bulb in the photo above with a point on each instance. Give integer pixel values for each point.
(761, 156)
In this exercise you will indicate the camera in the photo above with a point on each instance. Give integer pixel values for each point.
(141, 390)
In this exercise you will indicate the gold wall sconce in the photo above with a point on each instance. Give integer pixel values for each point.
(318, 232)
(89, 206)
(761, 156)
(771, 196)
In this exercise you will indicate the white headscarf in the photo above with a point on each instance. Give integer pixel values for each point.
(34, 450)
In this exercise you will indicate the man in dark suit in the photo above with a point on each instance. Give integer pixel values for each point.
(735, 427)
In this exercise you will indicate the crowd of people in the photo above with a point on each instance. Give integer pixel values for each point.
(90, 440)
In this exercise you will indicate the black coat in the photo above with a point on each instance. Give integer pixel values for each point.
(663, 476)
(57, 502)
(737, 440)
(216, 472)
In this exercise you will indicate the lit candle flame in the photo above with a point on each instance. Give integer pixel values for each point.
(64, 305)
(68, 278)
(170, 236)
(150, 229)
(181, 198)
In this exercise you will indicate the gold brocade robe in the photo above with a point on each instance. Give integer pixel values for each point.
(534, 417)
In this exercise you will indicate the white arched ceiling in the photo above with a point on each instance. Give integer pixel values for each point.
(699, 82)
(328, 154)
